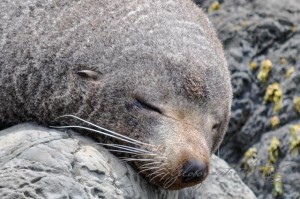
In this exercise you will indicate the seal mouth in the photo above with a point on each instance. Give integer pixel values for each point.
(147, 159)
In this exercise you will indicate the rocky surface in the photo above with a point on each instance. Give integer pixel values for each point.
(252, 32)
(36, 162)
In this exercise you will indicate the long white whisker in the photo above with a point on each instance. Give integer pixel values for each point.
(172, 182)
(159, 174)
(86, 128)
(148, 164)
(162, 168)
(137, 151)
(133, 159)
(131, 149)
(155, 172)
(166, 182)
(141, 154)
(120, 151)
(104, 129)
(164, 176)
(124, 147)
(147, 169)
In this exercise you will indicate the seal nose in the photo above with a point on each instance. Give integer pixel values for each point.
(193, 171)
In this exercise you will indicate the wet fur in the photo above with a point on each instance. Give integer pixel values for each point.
(165, 52)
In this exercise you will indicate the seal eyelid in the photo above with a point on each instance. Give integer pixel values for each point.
(148, 106)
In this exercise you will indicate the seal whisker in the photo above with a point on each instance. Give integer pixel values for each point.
(134, 159)
(137, 151)
(104, 129)
(145, 165)
(124, 147)
(162, 165)
(155, 172)
(166, 182)
(120, 151)
(164, 176)
(129, 150)
(90, 129)
(147, 169)
(146, 154)
(170, 182)
(159, 174)
(159, 157)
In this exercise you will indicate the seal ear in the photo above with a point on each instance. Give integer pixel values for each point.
(89, 74)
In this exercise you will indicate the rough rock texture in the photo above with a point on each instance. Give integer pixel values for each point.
(254, 31)
(36, 162)
(287, 165)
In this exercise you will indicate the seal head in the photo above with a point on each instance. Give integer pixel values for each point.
(153, 71)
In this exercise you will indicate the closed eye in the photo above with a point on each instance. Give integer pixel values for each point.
(140, 103)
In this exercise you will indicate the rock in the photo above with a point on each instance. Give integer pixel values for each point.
(256, 31)
(287, 165)
(36, 162)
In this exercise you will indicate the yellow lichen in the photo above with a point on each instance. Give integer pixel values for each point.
(249, 160)
(273, 150)
(214, 7)
(266, 67)
(274, 94)
(236, 28)
(244, 24)
(296, 103)
(295, 139)
(278, 190)
(275, 121)
(267, 170)
(253, 65)
(294, 28)
(282, 61)
(289, 72)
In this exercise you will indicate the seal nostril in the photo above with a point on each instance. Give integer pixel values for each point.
(193, 171)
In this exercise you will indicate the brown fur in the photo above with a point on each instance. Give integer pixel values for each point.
(165, 52)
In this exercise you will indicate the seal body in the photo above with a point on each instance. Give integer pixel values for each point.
(151, 70)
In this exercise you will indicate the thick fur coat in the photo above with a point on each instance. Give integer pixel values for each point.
(151, 70)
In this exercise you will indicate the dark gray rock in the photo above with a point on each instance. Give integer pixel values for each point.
(287, 165)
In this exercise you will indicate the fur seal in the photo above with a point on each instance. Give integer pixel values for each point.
(152, 71)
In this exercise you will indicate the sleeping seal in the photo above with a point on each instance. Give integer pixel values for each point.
(152, 73)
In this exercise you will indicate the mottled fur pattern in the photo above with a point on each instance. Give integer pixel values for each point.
(163, 51)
